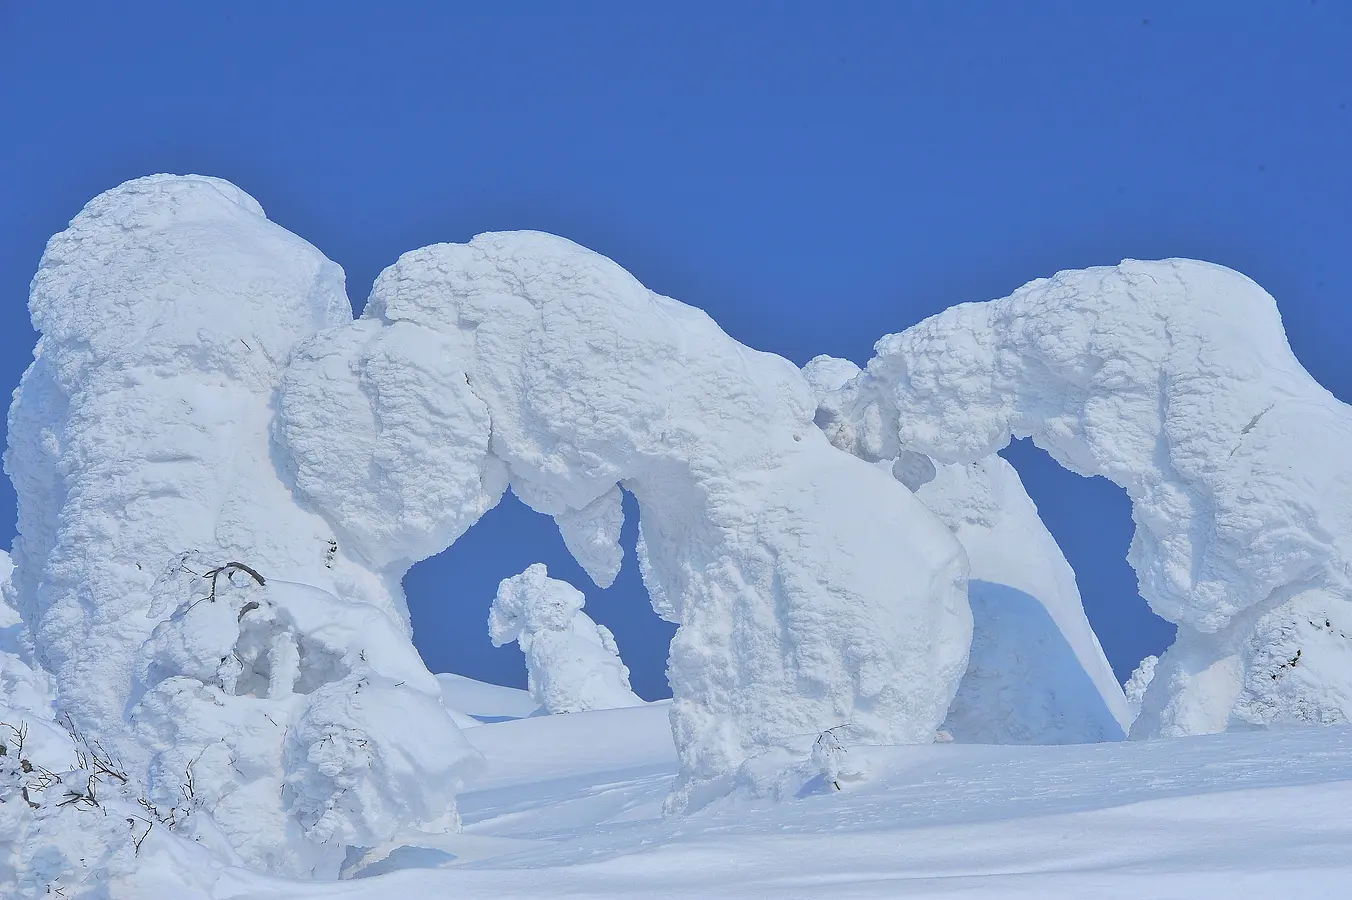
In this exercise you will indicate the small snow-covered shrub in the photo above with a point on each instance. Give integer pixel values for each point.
(68, 822)
(294, 710)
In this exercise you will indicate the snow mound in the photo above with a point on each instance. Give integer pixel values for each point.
(1174, 380)
(168, 311)
(1037, 674)
(572, 663)
(810, 588)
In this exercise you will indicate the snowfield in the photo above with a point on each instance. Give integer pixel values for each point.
(884, 683)
(570, 806)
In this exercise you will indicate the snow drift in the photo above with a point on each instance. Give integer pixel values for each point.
(810, 589)
(1174, 380)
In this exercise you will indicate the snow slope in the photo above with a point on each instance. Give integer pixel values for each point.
(569, 806)
(1174, 380)
(485, 701)
(1037, 674)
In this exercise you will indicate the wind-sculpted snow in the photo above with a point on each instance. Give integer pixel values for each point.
(810, 588)
(1037, 674)
(167, 311)
(573, 663)
(1174, 380)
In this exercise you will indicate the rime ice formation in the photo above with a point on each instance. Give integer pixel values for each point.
(573, 663)
(1037, 674)
(1138, 683)
(141, 430)
(810, 588)
(1174, 380)
(24, 688)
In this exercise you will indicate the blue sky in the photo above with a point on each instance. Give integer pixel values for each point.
(812, 179)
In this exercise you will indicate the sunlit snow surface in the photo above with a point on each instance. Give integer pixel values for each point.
(569, 806)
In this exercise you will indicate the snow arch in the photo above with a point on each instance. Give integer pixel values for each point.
(1174, 380)
(810, 588)
(1036, 674)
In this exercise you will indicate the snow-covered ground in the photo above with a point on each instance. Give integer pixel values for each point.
(570, 806)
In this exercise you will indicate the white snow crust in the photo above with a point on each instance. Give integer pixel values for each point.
(1174, 380)
(810, 589)
(572, 663)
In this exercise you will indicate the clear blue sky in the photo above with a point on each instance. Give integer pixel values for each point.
(812, 179)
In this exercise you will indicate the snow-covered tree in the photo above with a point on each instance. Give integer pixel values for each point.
(1174, 380)
(572, 663)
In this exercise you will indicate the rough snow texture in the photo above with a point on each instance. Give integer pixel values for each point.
(1037, 674)
(572, 663)
(1174, 380)
(810, 588)
(168, 310)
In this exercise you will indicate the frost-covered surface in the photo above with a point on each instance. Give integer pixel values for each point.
(811, 589)
(70, 821)
(24, 686)
(572, 663)
(1174, 380)
(1037, 674)
(142, 431)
